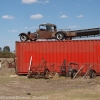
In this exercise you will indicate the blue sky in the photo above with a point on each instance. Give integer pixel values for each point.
(18, 16)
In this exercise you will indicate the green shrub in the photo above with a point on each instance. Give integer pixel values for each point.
(7, 55)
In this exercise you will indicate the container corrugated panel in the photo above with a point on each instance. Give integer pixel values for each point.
(54, 52)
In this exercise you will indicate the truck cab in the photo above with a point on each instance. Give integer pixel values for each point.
(45, 31)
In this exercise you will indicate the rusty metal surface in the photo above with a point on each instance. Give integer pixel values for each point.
(39, 71)
(49, 31)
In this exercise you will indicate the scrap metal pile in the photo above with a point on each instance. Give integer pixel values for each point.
(43, 71)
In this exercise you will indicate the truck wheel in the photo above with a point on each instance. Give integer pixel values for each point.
(73, 72)
(23, 37)
(92, 74)
(60, 36)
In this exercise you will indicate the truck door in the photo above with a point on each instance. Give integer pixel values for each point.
(44, 33)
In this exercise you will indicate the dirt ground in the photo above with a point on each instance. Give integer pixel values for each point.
(15, 87)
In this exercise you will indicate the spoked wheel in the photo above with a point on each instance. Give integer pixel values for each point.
(60, 36)
(23, 37)
(73, 72)
(92, 74)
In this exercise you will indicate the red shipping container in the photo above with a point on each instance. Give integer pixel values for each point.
(54, 52)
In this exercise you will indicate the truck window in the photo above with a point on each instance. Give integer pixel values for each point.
(43, 27)
(53, 28)
(48, 28)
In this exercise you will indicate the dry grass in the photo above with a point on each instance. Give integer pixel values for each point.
(44, 89)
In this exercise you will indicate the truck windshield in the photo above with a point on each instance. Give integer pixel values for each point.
(47, 27)
(43, 27)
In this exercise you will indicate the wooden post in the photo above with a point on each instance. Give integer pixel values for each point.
(87, 71)
(30, 64)
(78, 72)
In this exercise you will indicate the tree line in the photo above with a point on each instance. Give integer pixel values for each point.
(6, 53)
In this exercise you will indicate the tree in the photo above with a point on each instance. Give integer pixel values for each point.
(6, 49)
(0, 49)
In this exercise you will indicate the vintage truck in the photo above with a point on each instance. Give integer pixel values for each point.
(50, 31)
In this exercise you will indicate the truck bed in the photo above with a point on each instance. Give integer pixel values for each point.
(87, 32)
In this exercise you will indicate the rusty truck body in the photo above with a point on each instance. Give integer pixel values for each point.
(50, 31)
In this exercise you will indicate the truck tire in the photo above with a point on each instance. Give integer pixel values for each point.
(73, 72)
(23, 37)
(60, 36)
(92, 74)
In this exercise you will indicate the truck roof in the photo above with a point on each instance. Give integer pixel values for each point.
(47, 24)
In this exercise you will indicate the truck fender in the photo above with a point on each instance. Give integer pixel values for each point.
(22, 34)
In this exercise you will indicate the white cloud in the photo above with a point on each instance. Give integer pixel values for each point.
(36, 16)
(12, 31)
(29, 1)
(34, 1)
(74, 26)
(47, 1)
(64, 16)
(29, 27)
(8, 17)
(80, 16)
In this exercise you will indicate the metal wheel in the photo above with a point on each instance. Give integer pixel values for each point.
(59, 36)
(73, 72)
(92, 74)
(23, 37)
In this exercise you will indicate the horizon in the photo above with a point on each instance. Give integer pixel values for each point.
(25, 15)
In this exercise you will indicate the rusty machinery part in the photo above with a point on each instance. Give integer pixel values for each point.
(30, 35)
(37, 76)
(63, 71)
(46, 73)
(70, 68)
(23, 37)
(74, 63)
(70, 65)
(73, 72)
(29, 74)
(92, 73)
